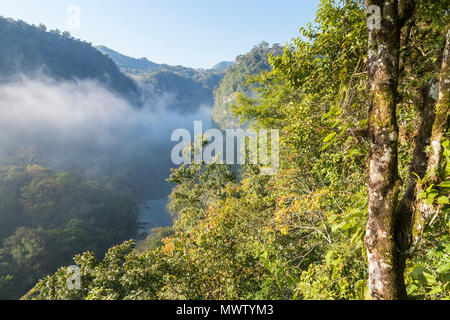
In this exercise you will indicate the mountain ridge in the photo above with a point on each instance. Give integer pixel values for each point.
(145, 65)
(32, 50)
(189, 88)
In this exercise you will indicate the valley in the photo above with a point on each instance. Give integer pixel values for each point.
(334, 132)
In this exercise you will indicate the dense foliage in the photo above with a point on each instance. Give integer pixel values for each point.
(46, 217)
(300, 233)
(235, 81)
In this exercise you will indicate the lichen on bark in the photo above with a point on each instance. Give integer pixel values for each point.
(425, 211)
(385, 282)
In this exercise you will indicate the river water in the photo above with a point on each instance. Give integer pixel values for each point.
(152, 209)
(153, 214)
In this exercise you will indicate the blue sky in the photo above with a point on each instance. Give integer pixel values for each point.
(193, 33)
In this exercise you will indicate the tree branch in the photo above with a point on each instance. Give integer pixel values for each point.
(406, 10)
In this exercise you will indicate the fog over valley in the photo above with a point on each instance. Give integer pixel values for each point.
(81, 125)
(211, 150)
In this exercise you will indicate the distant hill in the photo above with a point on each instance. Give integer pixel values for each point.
(188, 94)
(143, 65)
(129, 64)
(222, 66)
(235, 78)
(190, 87)
(32, 50)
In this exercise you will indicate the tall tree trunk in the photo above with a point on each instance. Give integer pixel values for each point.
(425, 108)
(424, 211)
(385, 279)
(409, 231)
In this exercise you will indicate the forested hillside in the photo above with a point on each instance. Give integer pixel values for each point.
(128, 64)
(222, 66)
(33, 51)
(360, 206)
(235, 81)
(184, 89)
(49, 215)
(46, 217)
(143, 65)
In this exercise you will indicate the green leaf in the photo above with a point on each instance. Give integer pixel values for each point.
(430, 200)
(435, 290)
(329, 137)
(445, 184)
(326, 146)
(443, 200)
(422, 195)
(423, 276)
(412, 288)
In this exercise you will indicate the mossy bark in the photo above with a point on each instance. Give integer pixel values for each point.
(424, 211)
(410, 225)
(385, 279)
